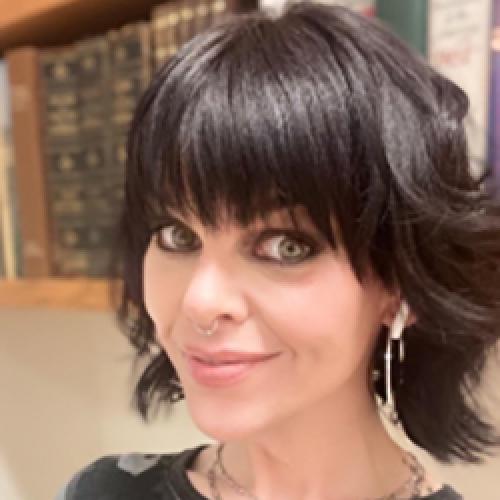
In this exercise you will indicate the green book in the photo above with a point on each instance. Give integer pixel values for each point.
(64, 154)
(407, 18)
(89, 235)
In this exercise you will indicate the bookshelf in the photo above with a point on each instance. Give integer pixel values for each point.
(56, 293)
(50, 23)
(82, 26)
(53, 22)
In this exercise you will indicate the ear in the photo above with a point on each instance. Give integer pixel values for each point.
(393, 308)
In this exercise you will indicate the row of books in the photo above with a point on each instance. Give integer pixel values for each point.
(65, 137)
(62, 144)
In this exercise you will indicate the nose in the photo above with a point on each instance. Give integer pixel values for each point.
(213, 292)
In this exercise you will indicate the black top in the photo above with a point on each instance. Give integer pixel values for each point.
(137, 476)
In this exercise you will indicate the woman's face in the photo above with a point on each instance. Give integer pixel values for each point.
(274, 291)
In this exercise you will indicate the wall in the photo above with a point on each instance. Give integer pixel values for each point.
(64, 386)
(64, 381)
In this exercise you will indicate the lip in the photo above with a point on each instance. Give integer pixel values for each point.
(224, 373)
(227, 355)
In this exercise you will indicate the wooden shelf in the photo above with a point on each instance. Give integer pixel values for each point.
(48, 23)
(53, 22)
(56, 293)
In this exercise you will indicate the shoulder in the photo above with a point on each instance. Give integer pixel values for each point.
(126, 477)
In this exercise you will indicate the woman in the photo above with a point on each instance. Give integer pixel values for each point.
(304, 250)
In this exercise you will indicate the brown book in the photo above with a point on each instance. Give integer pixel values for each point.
(218, 8)
(176, 22)
(30, 172)
(165, 19)
(202, 15)
(185, 31)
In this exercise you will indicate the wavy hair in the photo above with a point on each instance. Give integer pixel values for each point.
(322, 107)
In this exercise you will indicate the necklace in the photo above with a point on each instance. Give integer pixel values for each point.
(410, 489)
(213, 481)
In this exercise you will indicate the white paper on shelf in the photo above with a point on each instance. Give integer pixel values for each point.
(459, 48)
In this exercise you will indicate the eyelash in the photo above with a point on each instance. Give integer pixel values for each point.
(267, 234)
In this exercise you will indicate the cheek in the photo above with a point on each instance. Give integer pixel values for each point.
(314, 303)
(327, 313)
(160, 293)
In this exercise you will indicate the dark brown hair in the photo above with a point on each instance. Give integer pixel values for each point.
(329, 110)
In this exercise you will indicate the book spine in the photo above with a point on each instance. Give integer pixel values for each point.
(131, 71)
(9, 214)
(494, 143)
(10, 258)
(459, 48)
(129, 74)
(4, 209)
(185, 26)
(202, 15)
(165, 18)
(65, 156)
(409, 20)
(30, 172)
(219, 9)
(89, 237)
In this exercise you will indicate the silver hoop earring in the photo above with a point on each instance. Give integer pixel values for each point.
(396, 335)
(210, 331)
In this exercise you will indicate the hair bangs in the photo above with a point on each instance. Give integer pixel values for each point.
(238, 136)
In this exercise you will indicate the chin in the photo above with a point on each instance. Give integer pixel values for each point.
(222, 423)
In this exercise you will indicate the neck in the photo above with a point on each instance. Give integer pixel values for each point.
(329, 452)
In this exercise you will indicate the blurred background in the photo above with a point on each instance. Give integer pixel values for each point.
(71, 73)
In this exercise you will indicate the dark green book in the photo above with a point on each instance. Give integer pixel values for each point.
(408, 18)
(76, 81)
(90, 236)
(63, 152)
(131, 69)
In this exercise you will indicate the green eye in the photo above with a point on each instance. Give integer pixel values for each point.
(286, 249)
(175, 238)
(279, 246)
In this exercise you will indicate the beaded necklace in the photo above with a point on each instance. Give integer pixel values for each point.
(410, 489)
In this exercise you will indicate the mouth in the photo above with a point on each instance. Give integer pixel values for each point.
(225, 356)
(213, 373)
(217, 363)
